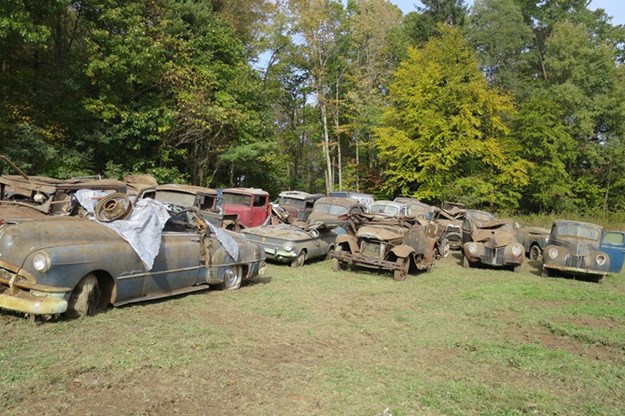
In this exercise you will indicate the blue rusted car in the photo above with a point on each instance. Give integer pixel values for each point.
(79, 266)
(580, 248)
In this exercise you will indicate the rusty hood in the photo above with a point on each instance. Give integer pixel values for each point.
(381, 232)
(494, 233)
(17, 241)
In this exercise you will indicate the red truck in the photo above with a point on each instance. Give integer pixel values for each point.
(250, 204)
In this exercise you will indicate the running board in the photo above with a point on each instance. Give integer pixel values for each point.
(164, 295)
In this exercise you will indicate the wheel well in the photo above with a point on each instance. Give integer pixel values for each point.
(107, 287)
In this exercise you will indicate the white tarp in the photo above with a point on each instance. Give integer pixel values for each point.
(229, 243)
(142, 229)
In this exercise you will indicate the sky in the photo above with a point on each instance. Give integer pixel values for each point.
(614, 8)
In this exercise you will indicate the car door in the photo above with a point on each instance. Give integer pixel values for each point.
(178, 262)
(613, 244)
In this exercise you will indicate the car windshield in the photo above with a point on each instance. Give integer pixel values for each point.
(384, 209)
(579, 231)
(297, 203)
(237, 199)
(176, 198)
(330, 209)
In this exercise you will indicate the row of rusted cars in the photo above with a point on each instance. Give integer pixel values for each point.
(77, 246)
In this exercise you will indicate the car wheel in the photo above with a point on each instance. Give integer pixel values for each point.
(85, 297)
(444, 248)
(233, 275)
(299, 260)
(535, 253)
(338, 265)
(544, 272)
(400, 274)
(465, 262)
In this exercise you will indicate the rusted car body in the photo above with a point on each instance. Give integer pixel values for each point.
(335, 211)
(76, 265)
(294, 244)
(387, 243)
(492, 243)
(452, 218)
(298, 204)
(24, 197)
(251, 205)
(417, 207)
(580, 248)
(363, 199)
(534, 240)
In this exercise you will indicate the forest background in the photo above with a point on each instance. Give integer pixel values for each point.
(507, 105)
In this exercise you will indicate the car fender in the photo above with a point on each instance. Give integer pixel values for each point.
(346, 241)
(402, 250)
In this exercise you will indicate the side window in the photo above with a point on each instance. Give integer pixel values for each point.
(206, 202)
(356, 210)
(260, 200)
(614, 238)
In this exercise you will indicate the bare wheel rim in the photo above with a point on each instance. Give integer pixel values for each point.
(232, 277)
(299, 260)
(535, 253)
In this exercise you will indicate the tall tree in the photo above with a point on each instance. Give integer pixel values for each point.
(446, 133)
(421, 25)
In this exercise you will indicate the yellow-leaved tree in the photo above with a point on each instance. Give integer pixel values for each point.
(445, 133)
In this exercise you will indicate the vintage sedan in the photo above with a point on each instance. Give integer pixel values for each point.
(78, 266)
(534, 240)
(387, 243)
(335, 211)
(294, 244)
(583, 249)
(491, 243)
(297, 204)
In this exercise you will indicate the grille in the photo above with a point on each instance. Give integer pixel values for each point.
(576, 261)
(371, 249)
(494, 255)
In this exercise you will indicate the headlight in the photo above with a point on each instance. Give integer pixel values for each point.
(41, 262)
(601, 259)
(516, 250)
(472, 248)
(552, 253)
(288, 246)
(546, 240)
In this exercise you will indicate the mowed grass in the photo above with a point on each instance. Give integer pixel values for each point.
(311, 341)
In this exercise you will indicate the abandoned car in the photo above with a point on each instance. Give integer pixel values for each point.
(491, 243)
(584, 249)
(78, 265)
(364, 199)
(387, 244)
(294, 244)
(297, 204)
(335, 211)
(251, 205)
(534, 240)
(451, 217)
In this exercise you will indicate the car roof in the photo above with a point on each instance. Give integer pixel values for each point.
(245, 191)
(299, 195)
(338, 200)
(587, 224)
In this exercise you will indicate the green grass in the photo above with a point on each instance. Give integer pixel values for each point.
(310, 341)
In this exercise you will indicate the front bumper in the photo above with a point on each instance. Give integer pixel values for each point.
(576, 270)
(278, 255)
(23, 301)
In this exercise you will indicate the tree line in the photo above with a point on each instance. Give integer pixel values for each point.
(509, 104)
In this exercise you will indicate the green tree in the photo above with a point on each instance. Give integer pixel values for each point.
(421, 25)
(446, 134)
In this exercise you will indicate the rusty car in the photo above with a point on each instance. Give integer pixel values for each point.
(451, 216)
(251, 205)
(335, 211)
(24, 197)
(387, 243)
(583, 249)
(293, 243)
(491, 243)
(533, 239)
(77, 265)
(297, 204)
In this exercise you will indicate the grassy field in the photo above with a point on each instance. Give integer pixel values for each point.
(313, 342)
